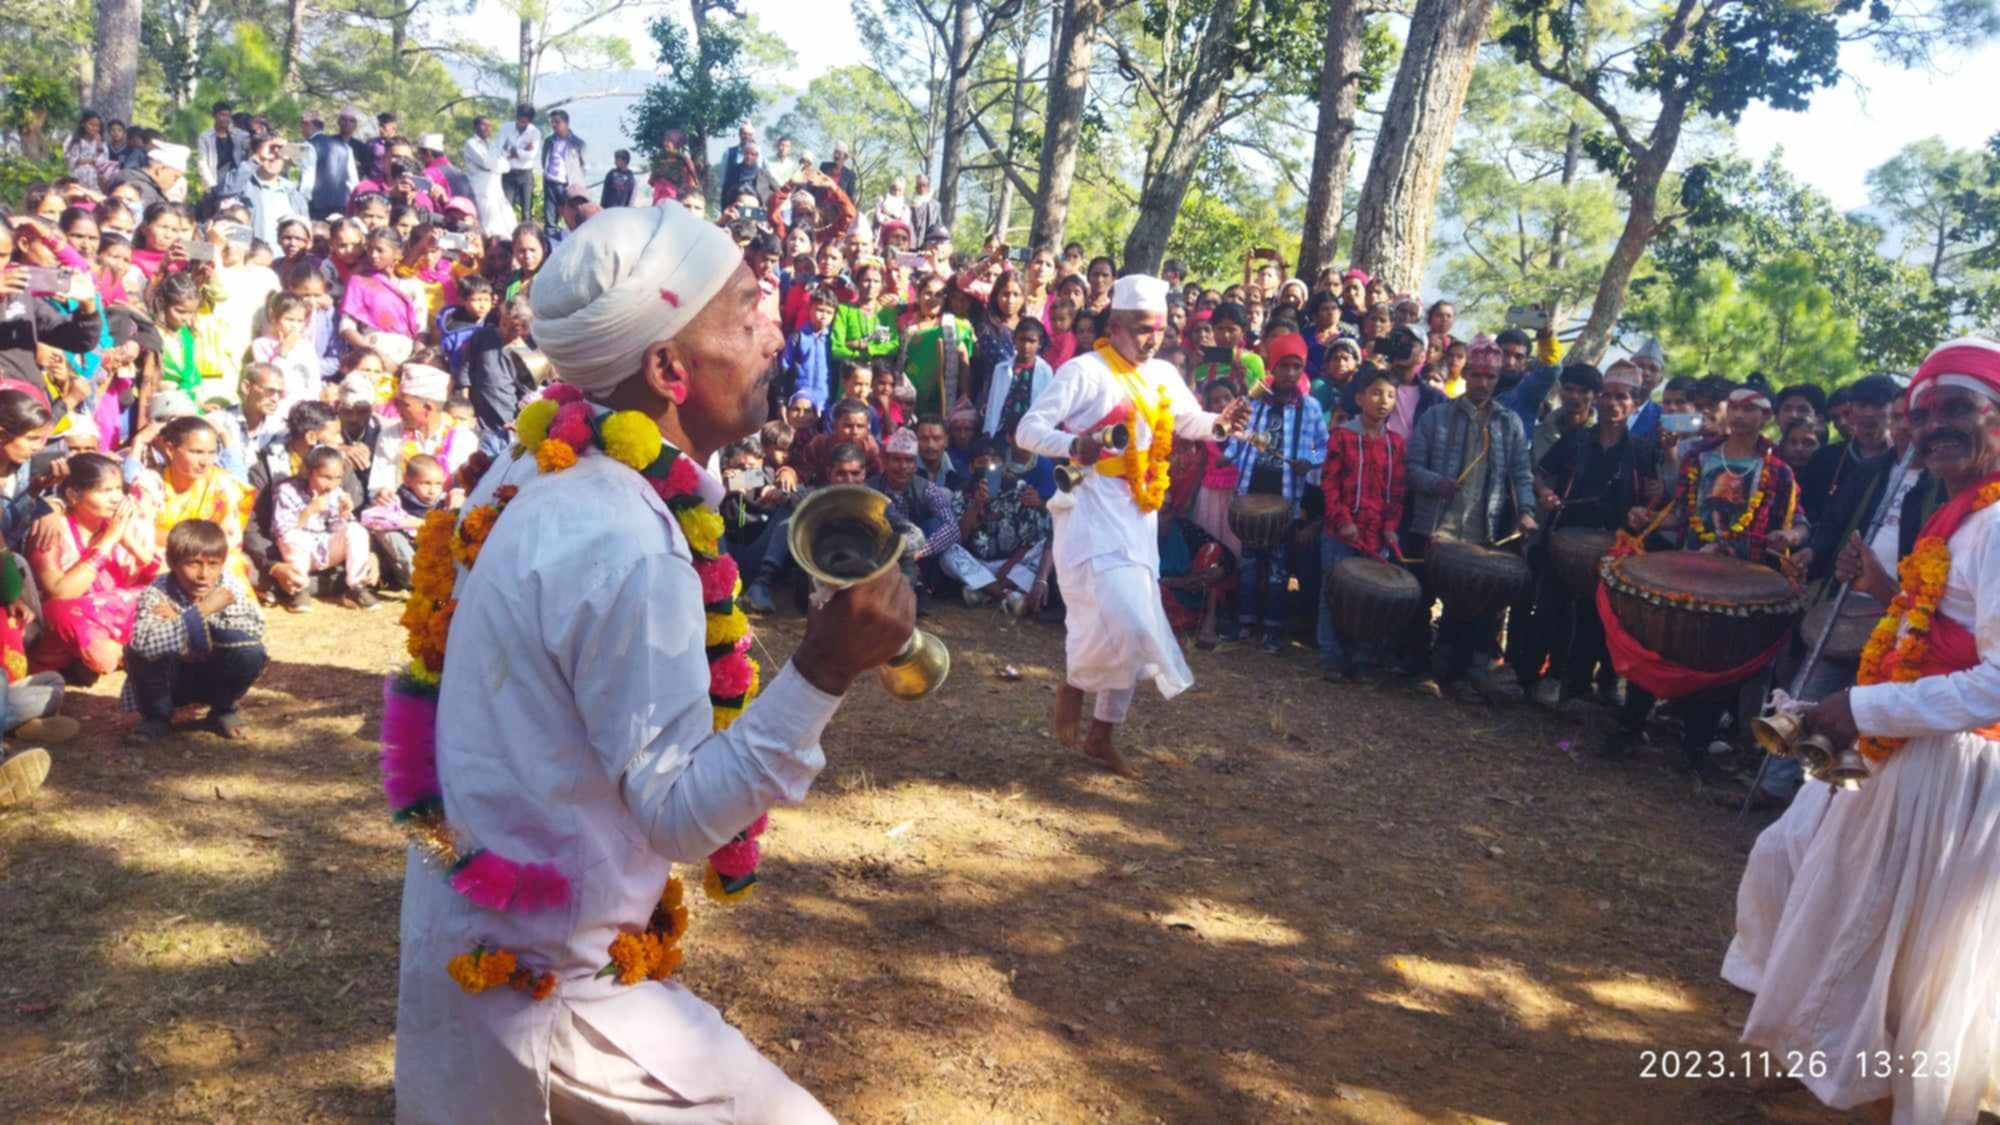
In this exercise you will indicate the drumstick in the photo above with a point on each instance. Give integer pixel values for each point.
(1507, 540)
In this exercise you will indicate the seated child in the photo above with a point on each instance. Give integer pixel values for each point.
(199, 637)
(752, 493)
(313, 517)
(394, 526)
(890, 411)
(91, 576)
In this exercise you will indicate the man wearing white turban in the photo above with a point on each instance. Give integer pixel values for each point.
(575, 730)
(1107, 548)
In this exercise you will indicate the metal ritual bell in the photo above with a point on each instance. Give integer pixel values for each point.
(841, 536)
(1783, 734)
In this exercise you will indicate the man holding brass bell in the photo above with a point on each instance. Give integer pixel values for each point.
(1868, 919)
(1107, 554)
(599, 719)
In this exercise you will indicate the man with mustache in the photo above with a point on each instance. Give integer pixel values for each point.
(1866, 922)
(1107, 550)
(583, 722)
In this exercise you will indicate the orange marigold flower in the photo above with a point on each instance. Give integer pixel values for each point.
(553, 456)
(464, 969)
(628, 953)
(544, 985)
(666, 963)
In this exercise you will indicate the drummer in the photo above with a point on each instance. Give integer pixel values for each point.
(1362, 480)
(1589, 479)
(1471, 481)
(1849, 476)
(1735, 497)
(1297, 432)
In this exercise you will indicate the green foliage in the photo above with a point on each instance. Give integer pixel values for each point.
(1935, 195)
(704, 90)
(248, 70)
(1782, 322)
(18, 173)
(1519, 235)
(1744, 218)
(883, 130)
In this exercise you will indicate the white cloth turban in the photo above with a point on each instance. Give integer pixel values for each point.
(620, 283)
(421, 380)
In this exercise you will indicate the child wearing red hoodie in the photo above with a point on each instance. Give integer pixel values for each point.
(1363, 483)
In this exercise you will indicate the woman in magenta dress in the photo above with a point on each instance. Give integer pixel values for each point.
(91, 577)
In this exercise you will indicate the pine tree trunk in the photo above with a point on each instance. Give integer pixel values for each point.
(116, 80)
(1333, 152)
(1171, 163)
(295, 29)
(525, 78)
(1062, 121)
(958, 75)
(1559, 232)
(1393, 226)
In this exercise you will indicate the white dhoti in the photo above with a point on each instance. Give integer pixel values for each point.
(1873, 941)
(1868, 922)
(975, 573)
(1107, 551)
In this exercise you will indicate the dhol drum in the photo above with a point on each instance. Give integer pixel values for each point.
(1372, 601)
(1474, 581)
(1576, 552)
(1709, 613)
(1260, 521)
(1858, 615)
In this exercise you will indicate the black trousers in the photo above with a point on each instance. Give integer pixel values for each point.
(159, 686)
(520, 189)
(1700, 715)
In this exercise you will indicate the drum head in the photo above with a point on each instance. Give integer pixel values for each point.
(1705, 578)
(1255, 505)
(1373, 577)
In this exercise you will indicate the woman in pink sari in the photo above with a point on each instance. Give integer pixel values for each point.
(92, 575)
(375, 312)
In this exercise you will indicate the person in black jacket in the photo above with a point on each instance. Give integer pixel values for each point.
(619, 182)
(497, 374)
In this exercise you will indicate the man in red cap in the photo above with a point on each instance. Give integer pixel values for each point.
(1866, 924)
(1293, 434)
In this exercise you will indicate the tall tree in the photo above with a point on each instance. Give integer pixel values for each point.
(1210, 61)
(1392, 229)
(571, 31)
(883, 130)
(115, 78)
(1932, 192)
(703, 88)
(1709, 57)
(965, 27)
(1339, 92)
(1075, 24)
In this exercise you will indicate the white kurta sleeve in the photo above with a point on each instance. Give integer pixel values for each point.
(1041, 428)
(1964, 700)
(633, 650)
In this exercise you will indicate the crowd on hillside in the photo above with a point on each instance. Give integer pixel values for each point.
(237, 373)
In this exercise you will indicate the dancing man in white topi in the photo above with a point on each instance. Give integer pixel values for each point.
(1868, 923)
(1107, 547)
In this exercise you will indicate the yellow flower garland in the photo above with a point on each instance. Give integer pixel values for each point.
(1885, 659)
(1147, 470)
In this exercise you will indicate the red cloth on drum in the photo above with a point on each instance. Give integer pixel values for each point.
(1649, 670)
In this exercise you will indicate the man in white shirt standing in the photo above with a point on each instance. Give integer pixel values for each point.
(1107, 547)
(575, 726)
(485, 163)
(521, 146)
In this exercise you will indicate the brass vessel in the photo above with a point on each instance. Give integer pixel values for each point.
(841, 536)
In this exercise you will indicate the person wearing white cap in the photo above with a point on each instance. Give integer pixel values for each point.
(421, 425)
(575, 730)
(164, 178)
(1107, 553)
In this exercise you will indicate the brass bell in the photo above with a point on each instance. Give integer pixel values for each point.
(1068, 477)
(1113, 439)
(841, 536)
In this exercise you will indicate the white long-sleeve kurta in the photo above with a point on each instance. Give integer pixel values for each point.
(484, 164)
(1868, 923)
(1117, 629)
(575, 730)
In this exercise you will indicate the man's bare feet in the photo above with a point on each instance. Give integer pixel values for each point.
(1098, 746)
(1069, 715)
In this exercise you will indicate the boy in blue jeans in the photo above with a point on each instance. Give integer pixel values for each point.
(198, 638)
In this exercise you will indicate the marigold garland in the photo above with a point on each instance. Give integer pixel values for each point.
(653, 953)
(1752, 509)
(1888, 659)
(1146, 471)
(485, 968)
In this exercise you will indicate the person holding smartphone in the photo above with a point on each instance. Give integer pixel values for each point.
(1003, 529)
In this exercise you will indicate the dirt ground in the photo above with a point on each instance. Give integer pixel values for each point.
(1317, 903)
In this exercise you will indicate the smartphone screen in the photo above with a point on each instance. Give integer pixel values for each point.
(47, 281)
(1216, 355)
(1680, 423)
(992, 482)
